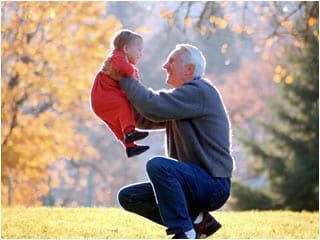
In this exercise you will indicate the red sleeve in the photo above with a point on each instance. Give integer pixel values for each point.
(120, 63)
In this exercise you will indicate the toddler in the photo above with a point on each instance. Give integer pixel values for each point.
(109, 102)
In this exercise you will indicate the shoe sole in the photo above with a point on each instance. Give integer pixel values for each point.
(128, 140)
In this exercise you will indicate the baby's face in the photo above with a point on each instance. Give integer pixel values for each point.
(135, 51)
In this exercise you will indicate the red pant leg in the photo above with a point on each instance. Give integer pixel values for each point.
(117, 132)
(111, 105)
(126, 117)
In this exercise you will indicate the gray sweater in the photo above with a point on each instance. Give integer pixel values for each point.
(197, 125)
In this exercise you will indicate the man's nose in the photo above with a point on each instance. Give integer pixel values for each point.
(165, 66)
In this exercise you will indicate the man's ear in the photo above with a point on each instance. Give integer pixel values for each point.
(191, 68)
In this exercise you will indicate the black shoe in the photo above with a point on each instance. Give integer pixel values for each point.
(136, 150)
(207, 227)
(135, 136)
(183, 236)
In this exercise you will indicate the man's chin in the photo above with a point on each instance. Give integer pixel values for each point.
(167, 81)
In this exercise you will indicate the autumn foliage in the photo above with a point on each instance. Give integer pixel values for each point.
(50, 53)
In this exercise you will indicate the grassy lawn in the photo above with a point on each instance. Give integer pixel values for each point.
(20, 222)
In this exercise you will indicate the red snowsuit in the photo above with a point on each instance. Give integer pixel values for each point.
(109, 102)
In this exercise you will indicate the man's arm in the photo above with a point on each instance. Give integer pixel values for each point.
(143, 123)
(184, 102)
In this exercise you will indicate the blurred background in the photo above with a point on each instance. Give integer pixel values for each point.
(262, 56)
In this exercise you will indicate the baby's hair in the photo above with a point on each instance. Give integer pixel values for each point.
(124, 37)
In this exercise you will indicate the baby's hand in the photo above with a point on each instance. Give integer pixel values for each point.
(110, 71)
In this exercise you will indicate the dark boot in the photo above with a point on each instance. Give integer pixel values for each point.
(136, 150)
(135, 136)
(207, 227)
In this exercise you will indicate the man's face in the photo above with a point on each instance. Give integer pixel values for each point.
(175, 68)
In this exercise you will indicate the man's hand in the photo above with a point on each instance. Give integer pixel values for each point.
(110, 71)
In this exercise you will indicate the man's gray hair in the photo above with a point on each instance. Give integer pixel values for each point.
(193, 56)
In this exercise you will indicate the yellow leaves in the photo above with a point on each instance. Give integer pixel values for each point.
(61, 70)
(212, 29)
(224, 48)
(188, 21)
(249, 30)
(143, 30)
(278, 69)
(268, 43)
(212, 19)
(298, 44)
(203, 30)
(52, 13)
(14, 18)
(222, 23)
(227, 17)
(265, 56)
(281, 73)
(5, 45)
(289, 79)
(277, 78)
(30, 27)
(257, 49)
(287, 25)
(312, 21)
(167, 14)
(237, 28)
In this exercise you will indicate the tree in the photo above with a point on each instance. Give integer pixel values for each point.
(50, 53)
(288, 150)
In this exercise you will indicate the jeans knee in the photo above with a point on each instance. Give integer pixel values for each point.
(123, 198)
(156, 164)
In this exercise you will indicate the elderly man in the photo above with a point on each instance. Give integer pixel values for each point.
(195, 179)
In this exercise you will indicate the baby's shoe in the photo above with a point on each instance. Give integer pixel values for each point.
(135, 136)
(136, 150)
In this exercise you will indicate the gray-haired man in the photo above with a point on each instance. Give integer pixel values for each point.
(195, 178)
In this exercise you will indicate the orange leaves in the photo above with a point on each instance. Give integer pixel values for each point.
(224, 48)
(220, 23)
(287, 25)
(188, 21)
(167, 14)
(55, 61)
(143, 30)
(277, 78)
(289, 79)
(312, 21)
(212, 19)
(237, 28)
(268, 43)
(203, 30)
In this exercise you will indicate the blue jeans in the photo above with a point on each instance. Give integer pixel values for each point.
(177, 193)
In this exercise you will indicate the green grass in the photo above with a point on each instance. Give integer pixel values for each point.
(20, 222)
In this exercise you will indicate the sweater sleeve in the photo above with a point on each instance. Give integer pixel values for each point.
(122, 66)
(143, 123)
(184, 102)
